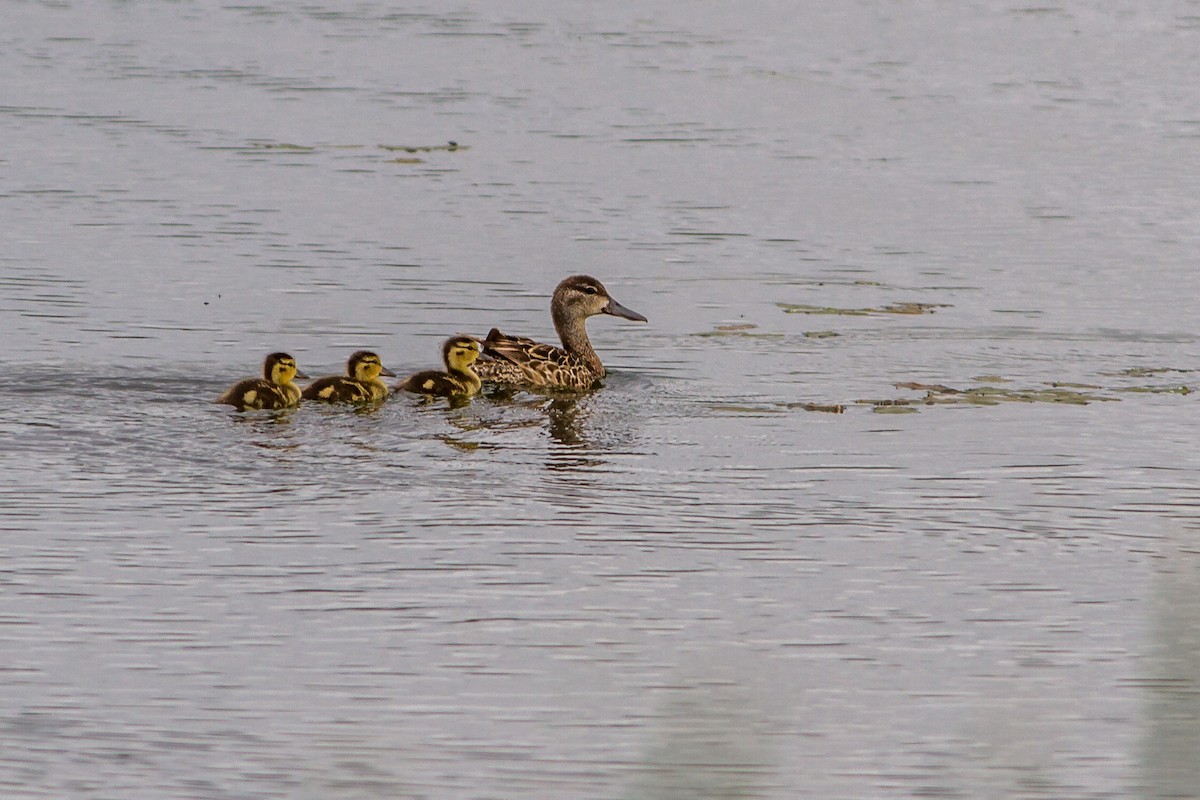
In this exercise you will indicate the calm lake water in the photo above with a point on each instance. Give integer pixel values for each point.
(696, 582)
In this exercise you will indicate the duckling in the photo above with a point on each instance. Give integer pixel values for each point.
(459, 354)
(273, 390)
(360, 384)
(575, 365)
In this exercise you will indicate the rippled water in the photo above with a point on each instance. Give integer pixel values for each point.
(698, 581)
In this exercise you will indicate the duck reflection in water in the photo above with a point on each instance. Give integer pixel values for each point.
(579, 437)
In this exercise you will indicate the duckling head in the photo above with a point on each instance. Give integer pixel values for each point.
(582, 296)
(281, 368)
(366, 366)
(460, 352)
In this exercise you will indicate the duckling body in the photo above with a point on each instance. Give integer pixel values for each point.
(459, 379)
(360, 384)
(518, 360)
(274, 390)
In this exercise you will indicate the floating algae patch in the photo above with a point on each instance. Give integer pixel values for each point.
(744, 409)
(1070, 394)
(890, 308)
(1152, 372)
(1173, 389)
(823, 408)
(889, 406)
(741, 329)
(1146, 372)
(820, 334)
(286, 147)
(449, 147)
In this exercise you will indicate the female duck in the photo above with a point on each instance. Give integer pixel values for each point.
(360, 384)
(459, 379)
(575, 365)
(273, 390)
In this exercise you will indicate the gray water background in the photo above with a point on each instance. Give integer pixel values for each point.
(684, 585)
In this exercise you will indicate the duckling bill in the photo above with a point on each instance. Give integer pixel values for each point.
(274, 390)
(459, 379)
(520, 361)
(360, 384)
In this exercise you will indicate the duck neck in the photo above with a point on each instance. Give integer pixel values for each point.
(377, 388)
(468, 378)
(575, 340)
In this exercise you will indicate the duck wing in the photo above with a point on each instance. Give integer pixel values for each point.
(516, 359)
(337, 389)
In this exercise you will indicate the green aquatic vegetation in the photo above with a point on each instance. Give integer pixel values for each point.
(823, 408)
(889, 406)
(1068, 393)
(736, 408)
(1070, 385)
(449, 147)
(285, 146)
(893, 409)
(890, 308)
(1169, 389)
(742, 329)
(820, 334)
(1146, 372)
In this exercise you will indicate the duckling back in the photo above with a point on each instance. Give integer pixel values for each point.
(438, 384)
(340, 389)
(255, 393)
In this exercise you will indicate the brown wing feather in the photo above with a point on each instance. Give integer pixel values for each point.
(432, 382)
(253, 394)
(337, 389)
(516, 359)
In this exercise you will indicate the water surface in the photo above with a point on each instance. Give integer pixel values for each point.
(685, 584)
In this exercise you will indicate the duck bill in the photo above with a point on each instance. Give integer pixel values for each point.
(618, 310)
(385, 371)
(301, 375)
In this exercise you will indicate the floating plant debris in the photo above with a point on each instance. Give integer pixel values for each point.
(1172, 389)
(286, 146)
(938, 394)
(824, 408)
(742, 329)
(406, 148)
(1146, 372)
(890, 308)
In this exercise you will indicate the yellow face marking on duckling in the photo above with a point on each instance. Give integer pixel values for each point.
(463, 353)
(367, 368)
(283, 371)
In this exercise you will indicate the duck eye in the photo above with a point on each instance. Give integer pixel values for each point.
(589, 289)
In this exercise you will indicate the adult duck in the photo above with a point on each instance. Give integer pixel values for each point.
(515, 360)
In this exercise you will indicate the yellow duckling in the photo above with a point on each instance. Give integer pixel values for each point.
(575, 365)
(360, 384)
(273, 390)
(459, 354)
